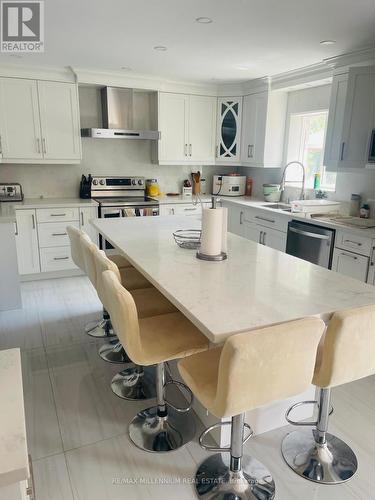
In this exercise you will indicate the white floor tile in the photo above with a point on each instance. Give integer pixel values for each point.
(51, 479)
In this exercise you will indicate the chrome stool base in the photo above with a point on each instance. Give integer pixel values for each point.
(113, 352)
(152, 433)
(135, 383)
(331, 463)
(215, 481)
(103, 329)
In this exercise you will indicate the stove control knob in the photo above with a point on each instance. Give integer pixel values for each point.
(95, 182)
(102, 182)
(140, 182)
(133, 182)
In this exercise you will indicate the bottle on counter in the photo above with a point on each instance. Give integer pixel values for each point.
(355, 204)
(317, 181)
(249, 186)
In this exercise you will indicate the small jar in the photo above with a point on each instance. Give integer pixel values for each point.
(355, 203)
(152, 187)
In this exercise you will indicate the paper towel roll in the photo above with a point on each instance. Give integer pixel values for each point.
(212, 231)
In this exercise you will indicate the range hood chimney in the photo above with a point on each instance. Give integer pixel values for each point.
(118, 105)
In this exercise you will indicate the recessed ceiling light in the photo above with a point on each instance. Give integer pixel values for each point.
(204, 20)
(243, 68)
(126, 68)
(160, 48)
(327, 42)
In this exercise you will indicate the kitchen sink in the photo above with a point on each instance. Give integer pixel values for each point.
(284, 207)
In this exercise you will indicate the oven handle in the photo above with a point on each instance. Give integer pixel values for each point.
(308, 234)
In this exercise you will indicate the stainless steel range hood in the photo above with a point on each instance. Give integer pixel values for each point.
(122, 110)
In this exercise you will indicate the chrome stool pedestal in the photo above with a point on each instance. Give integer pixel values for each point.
(101, 329)
(164, 427)
(113, 352)
(135, 383)
(315, 454)
(229, 475)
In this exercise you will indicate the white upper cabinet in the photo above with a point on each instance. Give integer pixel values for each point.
(263, 126)
(20, 134)
(351, 119)
(39, 122)
(59, 116)
(187, 127)
(229, 117)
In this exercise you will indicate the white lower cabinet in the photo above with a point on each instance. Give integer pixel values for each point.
(265, 236)
(27, 242)
(236, 219)
(85, 215)
(183, 209)
(350, 264)
(56, 259)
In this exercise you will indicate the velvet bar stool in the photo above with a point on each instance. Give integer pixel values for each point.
(251, 370)
(154, 341)
(346, 354)
(133, 382)
(99, 328)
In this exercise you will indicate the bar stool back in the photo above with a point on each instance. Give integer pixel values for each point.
(75, 236)
(252, 369)
(347, 354)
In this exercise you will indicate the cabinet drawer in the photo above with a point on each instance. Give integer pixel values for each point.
(56, 259)
(57, 214)
(54, 234)
(188, 209)
(268, 219)
(350, 264)
(353, 242)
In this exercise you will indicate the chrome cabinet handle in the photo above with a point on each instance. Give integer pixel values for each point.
(185, 149)
(44, 145)
(354, 242)
(342, 151)
(310, 235)
(57, 215)
(265, 219)
(60, 258)
(264, 238)
(241, 216)
(82, 220)
(1, 146)
(38, 145)
(349, 255)
(59, 234)
(372, 256)
(190, 209)
(190, 149)
(33, 219)
(260, 237)
(248, 151)
(15, 228)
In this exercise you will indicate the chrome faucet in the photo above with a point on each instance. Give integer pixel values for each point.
(283, 181)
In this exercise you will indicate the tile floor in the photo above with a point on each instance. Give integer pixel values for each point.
(77, 429)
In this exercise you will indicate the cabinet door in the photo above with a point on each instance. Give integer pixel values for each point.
(274, 239)
(59, 114)
(202, 121)
(229, 130)
(359, 117)
(236, 220)
(333, 145)
(254, 119)
(350, 264)
(173, 126)
(85, 214)
(253, 232)
(20, 135)
(27, 242)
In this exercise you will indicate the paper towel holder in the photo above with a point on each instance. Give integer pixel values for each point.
(214, 258)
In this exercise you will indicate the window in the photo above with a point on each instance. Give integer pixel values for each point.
(306, 142)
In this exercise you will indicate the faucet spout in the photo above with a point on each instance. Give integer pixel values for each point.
(283, 181)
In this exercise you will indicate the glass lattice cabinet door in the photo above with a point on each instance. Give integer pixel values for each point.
(229, 129)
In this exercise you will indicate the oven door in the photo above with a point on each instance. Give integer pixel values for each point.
(108, 213)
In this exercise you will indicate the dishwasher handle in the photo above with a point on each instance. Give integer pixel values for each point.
(309, 234)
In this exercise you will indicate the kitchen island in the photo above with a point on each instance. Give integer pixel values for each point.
(255, 287)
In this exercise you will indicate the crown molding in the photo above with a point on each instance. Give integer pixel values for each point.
(318, 74)
(58, 74)
(358, 57)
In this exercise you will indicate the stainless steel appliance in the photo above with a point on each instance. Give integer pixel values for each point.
(311, 243)
(118, 115)
(11, 192)
(229, 185)
(122, 197)
(371, 154)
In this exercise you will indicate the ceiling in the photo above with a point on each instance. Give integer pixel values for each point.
(247, 38)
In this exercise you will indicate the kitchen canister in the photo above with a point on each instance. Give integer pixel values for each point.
(355, 204)
(272, 192)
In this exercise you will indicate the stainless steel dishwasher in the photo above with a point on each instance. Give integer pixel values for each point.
(310, 242)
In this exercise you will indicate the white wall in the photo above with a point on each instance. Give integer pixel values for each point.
(100, 157)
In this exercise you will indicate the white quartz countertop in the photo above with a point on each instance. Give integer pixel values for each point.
(246, 201)
(256, 286)
(13, 448)
(169, 200)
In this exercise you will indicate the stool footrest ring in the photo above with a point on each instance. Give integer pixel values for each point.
(303, 424)
(186, 388)
(216, 449)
